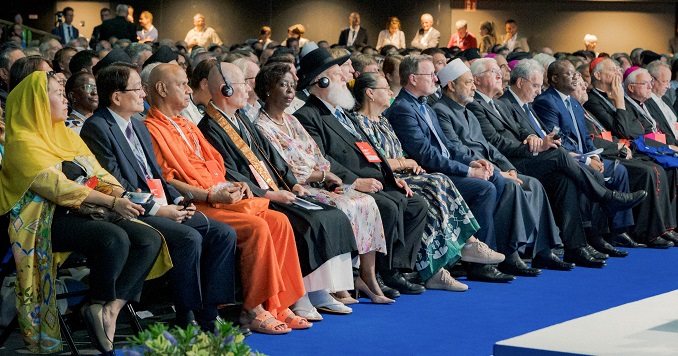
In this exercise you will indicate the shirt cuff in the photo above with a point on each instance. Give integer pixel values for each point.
(154, 210)
(468, 173)
(178, 200)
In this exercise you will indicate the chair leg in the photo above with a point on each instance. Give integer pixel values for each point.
(136, 326)
(8, 331)
(66, 332)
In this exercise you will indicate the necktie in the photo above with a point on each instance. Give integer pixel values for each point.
(533, 121)
(137, 150)
(70, 32)
(576, 126)
(347, 124)
(494, 107)
(429, 122)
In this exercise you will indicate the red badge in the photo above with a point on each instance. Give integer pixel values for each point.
(213, 167)
(368, 152)
(92, 182)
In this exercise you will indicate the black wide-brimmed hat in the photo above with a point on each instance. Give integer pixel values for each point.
(116, 55)
(164, 54)
(316, 62)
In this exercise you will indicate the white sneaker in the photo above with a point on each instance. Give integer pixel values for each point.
(443, 280)
(479, 252)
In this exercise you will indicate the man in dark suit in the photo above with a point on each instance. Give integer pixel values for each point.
(556, 107)
(354, 35)
(342, 142)
(105, 14)
(516, 131)
(523, 209)
(66, 31)
(417, 127)
(118, 26)
(202, 249)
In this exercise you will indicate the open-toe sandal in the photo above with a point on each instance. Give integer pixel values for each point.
(265, 323)
(293, 321)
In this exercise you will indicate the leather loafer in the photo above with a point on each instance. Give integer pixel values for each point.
(660, 243)
(602, 246)
(386, 290)
(413, 277)
(624, 240)
(670, 236)
(551, 261)
(395, 279)
(580, 257)
(486, 273)
(595, 253)
(619, 201)
(515, 266)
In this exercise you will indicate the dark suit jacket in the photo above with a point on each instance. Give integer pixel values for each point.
(552, 112)
(622, 123)
(339, 146)
(662, 123)
(360, 38)
(108, 143)
(59, 31)
(610, 148)
(96, 34)
(466, 129)
(419, 141)
(118, 27)
(237, 165)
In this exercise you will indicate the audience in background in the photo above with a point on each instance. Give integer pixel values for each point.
(426, 36)
(353, 35)
(392, 35)
(148, 32)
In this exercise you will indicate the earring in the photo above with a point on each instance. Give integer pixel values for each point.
(372, 99)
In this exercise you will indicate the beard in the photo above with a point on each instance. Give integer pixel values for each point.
(341, 96)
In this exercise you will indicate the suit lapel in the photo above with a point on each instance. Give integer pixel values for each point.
(122, 143)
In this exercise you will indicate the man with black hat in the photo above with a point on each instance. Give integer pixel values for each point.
(327, 119)
(116, 55)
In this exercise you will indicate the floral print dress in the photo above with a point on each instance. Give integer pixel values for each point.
(303, 156)
(450, 221)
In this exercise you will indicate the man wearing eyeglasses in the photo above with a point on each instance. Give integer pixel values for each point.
(556, 107)
(659, 106)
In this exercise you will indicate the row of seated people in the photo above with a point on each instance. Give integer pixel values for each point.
(245, 175)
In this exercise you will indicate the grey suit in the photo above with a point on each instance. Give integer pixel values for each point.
(431, 41)
(523, 211)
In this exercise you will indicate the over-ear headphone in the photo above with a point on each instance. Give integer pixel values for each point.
(227, 89)
(322, 83)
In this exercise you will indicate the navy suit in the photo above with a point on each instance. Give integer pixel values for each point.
(59, 31)
(420, 144)
(360, 38)
(202, 249)
(552, 111)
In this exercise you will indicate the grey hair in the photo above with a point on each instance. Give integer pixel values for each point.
(146, 72)
(135, 49)
(525, 69)
(631, 78)
(121, 10)
(654, 67)
(544, 59)
(481, 65)
(410, 65)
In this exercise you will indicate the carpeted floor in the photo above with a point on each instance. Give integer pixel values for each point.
(469, 323)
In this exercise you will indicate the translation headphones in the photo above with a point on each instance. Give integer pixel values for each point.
(322, 83)
(227, 89)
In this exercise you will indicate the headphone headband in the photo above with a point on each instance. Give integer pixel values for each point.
(227, 89)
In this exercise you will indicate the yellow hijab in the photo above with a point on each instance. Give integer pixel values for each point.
(32, 141)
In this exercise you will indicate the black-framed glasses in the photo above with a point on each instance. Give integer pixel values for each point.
(132, 89)
(432, 75)
(385, 88)
(89, 88)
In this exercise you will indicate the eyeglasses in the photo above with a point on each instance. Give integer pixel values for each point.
(505, 67)
(662, 82)
(495, 72)
(245, 83)
(89, 88)
(432, 75)
(569, 74)
(132, 89)
(250, 78)
(645, 82)
(385, 88)
(534, 85)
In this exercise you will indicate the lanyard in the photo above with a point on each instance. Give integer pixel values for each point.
(195, 139)
(607, 102)
(645, 114)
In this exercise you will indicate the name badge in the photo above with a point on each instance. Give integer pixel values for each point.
(260, 180)
(92, 182)
(213, 168)
(155, 185)
(368, 152)
(606, 135)
(657, 137)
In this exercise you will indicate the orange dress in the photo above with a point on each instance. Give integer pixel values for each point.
(269, 259)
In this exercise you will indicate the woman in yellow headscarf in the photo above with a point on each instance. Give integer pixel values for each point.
(38, 184)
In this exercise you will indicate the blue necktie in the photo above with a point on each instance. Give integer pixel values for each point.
(347, 124)
(534, 122)
(429, 122)
(135, 145)
(576, 126)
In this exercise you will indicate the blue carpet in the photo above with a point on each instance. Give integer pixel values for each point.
(469, 323)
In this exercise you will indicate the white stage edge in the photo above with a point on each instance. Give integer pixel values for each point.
(645, 327)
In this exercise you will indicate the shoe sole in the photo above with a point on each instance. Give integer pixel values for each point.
(481, 261)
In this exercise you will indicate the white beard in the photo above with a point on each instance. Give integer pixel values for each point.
(341, 96)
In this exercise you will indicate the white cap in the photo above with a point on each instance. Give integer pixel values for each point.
(452, 71)
(308, 48)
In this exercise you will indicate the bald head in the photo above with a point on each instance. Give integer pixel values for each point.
(236, 78)
(168, 89)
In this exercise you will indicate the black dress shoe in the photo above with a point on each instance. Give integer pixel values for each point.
(595, 253)
(619, 201)
(660, 243)
(412, 277)
(386, 290)
(395, 279)
(486, 273)
(603, 247)
(670, 236)
(551, 261)
(515, 266)
(624, 240)
(580, 257)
